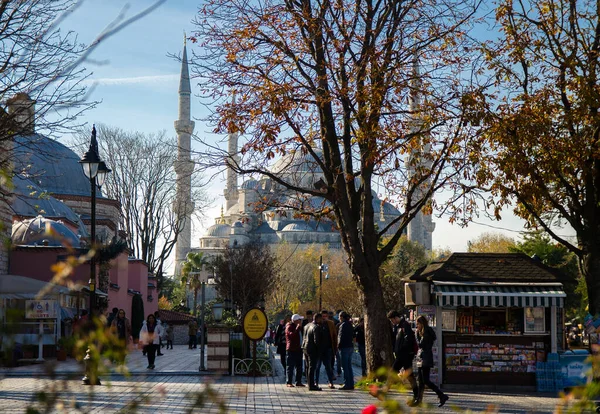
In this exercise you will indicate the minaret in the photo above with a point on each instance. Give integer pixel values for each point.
(421, 227)
(184, 167)
(231, 191)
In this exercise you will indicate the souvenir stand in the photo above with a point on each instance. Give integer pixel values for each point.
(496, 315)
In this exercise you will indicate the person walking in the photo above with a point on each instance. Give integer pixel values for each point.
(359, 334)
(111, 317)
(426, 338)
(346, 348)
(149, 335)
(170, 336)
(328, 348)
(405, 345)
(294, 350)
(280, 341)
(160, 339)
(307, 319)
(311, 345)
(192, 330)
(122, 327)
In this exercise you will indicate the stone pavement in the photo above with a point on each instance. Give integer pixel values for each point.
(174, 386)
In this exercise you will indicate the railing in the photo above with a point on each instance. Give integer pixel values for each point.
(263, 366)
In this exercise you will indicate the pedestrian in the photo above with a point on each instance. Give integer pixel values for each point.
(338, 359)
(425, 338)
(192, 329)
(149, 335)
(170, 336)
(328, 348)
(307, 319)
(346, 348)
(311, 345)
(294, 350)
(280, 341)
(160, 339)
(111, 316)
(405, 344)
(359, 334)
(122, 327)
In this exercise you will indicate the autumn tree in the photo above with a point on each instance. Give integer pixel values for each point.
(143, 182)
(367, 92)
(407, 257)
(540, 121)
(491, 243)
(245, 274)
(540, 245)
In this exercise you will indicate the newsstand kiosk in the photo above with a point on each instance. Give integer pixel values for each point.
(495, 315)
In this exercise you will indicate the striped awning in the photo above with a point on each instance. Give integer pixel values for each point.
(499, 296)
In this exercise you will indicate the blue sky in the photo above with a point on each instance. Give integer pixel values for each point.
(137, 83)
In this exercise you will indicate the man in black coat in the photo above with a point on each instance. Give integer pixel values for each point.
(405, 345)
(311, 345)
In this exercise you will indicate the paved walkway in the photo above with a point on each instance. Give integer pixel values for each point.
(175, 384)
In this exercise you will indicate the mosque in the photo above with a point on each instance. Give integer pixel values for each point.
(240, 223)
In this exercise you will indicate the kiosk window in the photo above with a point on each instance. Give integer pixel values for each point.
(535, 320)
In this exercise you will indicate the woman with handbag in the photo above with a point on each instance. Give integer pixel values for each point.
(425, 338)
(149, 335)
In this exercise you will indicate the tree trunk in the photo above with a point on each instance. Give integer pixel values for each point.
(591, 272)
(378, 339)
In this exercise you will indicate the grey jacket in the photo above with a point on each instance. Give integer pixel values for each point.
(311, 339)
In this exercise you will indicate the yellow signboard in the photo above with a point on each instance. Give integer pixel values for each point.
(255, 324)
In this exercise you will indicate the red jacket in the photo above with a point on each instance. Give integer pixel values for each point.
(292, 337)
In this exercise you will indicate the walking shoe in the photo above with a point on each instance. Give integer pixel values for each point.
(412, 403)
(443, 400)
(344, 388)
(289, 385)
(315, 389)
(299, 384)
(331, 386)
(161, 354)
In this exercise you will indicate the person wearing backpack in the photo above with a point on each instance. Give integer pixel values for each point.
(426, 338)
(405, 346)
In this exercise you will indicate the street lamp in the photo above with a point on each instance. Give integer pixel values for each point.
(323, 268)
(96, 170)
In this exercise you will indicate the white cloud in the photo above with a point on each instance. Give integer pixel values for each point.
(133, 80)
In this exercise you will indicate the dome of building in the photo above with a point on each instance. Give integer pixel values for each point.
(298, 168)
(51, 166)
(30, 201)
(298, 226)
(40, 231)
(218, 230)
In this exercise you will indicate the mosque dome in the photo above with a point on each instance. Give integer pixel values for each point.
(51, 166)
(218, 230)
(41, 231)
(30, 201)
(298, 168)
(298, 226)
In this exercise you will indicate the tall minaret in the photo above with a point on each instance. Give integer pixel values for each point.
(421, 227)
(231, 191)
(184, 167)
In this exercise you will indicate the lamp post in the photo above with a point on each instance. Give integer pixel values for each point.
(96, 170)
(322, 268)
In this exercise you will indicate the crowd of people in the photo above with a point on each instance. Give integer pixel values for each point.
(305, 343)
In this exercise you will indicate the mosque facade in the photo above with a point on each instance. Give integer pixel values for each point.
(241, 222)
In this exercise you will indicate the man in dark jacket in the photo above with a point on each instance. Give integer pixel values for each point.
(404, 350)
(294, 350)
(346, 347)
(311, 345)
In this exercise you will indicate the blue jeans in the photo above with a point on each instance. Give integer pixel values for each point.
(346, 354)
(363, 359)
(294, 361)
(325, 359)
